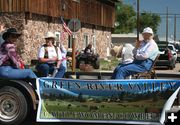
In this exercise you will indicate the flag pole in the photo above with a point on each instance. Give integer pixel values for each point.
(73, 43)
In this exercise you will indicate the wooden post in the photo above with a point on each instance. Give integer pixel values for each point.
(73, 53)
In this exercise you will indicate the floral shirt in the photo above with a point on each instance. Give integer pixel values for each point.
(9, 56)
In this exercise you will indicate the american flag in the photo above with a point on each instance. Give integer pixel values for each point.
(65, 27)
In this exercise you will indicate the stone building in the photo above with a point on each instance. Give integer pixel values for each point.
(120, 39)
(35, 17)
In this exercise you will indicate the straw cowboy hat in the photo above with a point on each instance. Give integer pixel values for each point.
(116, 51)
(9, 32)
(50, 35)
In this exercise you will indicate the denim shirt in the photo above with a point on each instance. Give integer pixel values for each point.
(147, 50)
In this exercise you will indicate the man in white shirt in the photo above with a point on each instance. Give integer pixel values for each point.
(50, 58)
(144, 52)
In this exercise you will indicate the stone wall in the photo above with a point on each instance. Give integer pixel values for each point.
(15, 20)
(34, 29)
(34, 32)
(102, 39)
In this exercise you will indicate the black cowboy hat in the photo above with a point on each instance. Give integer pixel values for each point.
(9, 32)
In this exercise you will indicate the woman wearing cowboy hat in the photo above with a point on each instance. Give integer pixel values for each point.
(144, 52)
(50, 57)
(11, 65)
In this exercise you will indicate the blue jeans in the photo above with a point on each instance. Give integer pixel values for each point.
(45, 69)
(125, 70)
(13, 73)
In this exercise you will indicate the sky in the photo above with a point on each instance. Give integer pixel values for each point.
(160, 6)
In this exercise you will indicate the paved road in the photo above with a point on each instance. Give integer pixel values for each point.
(165, 73)
(165, 70)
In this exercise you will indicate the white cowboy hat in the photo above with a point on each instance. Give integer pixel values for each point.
(148, 30)
(50, 35)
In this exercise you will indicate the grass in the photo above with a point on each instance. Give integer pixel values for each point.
(106, 65)
(109, 64)
(103, 107)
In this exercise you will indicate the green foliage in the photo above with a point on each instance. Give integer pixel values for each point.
(109, 66)
(127, 19)
(149, 20)
(125, 16)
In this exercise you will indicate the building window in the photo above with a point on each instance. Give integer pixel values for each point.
(58, 37)
(85, 40)
(70, 41)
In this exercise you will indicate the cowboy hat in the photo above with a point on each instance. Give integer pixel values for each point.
(9, 32)
(116, 50)
(148, 30)
(50, 35)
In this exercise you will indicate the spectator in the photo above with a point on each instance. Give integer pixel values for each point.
(50, 58)
(89, 50)
(11, 65)
(89, 53)
(144, 52)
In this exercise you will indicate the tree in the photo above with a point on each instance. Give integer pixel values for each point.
(125, 17)
(149, 20)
